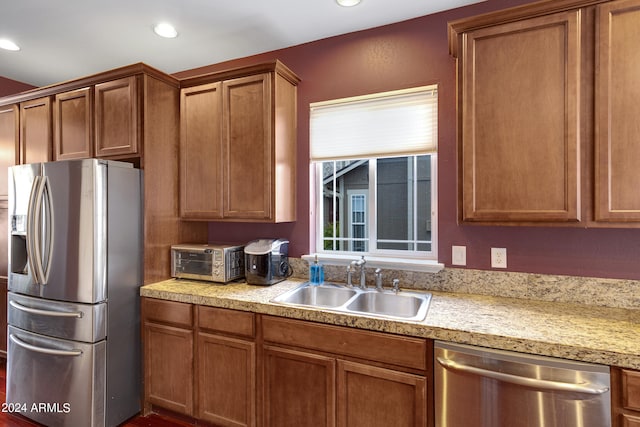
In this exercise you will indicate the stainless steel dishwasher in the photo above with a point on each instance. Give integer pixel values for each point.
(480, 387)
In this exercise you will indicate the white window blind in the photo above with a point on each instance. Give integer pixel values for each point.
(387, 124)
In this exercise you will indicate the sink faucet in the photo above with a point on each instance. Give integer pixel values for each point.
(357, 263)
(378, 275)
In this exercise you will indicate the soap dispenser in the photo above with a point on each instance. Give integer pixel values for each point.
(316, 273)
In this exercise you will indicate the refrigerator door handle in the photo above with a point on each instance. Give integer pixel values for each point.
(31, 229)
(44, 350)
(524, 381)
(41, 229)
(18, 306)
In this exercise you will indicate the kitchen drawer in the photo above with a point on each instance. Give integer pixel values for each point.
(375, 346)
(226, 321)
(175, 313)
(630, 421)
(631, 390)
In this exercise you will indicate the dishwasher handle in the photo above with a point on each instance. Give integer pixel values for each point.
(585, 388)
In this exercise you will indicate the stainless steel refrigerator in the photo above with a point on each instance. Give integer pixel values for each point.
(75, 268)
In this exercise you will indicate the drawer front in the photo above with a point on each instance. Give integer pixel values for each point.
(375, 346)
(176, 313)
(228, 321)
(631, 390)
(630, 421)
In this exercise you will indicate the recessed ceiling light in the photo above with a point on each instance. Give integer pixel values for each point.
(8, 45)
(166, 30)
(348, 3)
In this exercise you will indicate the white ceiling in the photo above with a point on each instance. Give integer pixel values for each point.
(65, 39)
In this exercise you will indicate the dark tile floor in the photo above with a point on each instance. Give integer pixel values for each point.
(13, 420)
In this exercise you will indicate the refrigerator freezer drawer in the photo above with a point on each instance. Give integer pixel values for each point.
(71, 375)
(72, 321)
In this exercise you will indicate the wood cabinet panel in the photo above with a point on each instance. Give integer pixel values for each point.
(169, 367)
(35, 131)
(117, 117)
(631, 390)
(9, 143)
(376, 346)
(625, 397)
(170, 312)
(168, 348)
(201, 152)
(402, 402)
(238, 145)
(247, 147)
(617, 110)
(73, 124)
(226, 380)
(520, 146)
(630, 421)
(234, 322)
(298, 388)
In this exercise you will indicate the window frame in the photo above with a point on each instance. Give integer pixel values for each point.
(384, 258)
(330, 148)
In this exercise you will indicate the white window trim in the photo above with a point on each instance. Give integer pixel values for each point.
(381, 259)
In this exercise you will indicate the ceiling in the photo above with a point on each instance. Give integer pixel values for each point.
(67, 39)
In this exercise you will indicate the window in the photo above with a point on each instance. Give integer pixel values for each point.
(374, 163)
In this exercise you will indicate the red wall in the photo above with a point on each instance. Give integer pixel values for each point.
(402, 55)
(10, 87)
(414, 53)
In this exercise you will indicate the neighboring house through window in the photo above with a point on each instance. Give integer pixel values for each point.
(374, 163)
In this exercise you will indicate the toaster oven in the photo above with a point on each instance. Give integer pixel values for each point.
(213, 262)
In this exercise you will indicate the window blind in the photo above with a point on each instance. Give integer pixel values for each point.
(386, 124)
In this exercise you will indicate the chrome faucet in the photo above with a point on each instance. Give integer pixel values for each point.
(350, 269)
(378, 275)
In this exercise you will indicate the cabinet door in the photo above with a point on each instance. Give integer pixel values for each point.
(9, 142)
(226, 380)
(168, 355)
(116, 117)
(73, 124)
(617, 110)
(247, 148)
(370, 396)
(35, 131)
(298, 387)
(520, 97)
(201, 152)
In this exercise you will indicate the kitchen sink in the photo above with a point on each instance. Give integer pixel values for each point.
(401, 305)
(317, 296)
(369, 302)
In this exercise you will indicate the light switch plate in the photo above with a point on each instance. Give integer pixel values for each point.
(498, 257)
(459, 255)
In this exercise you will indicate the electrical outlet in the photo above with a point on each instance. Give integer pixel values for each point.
(459, 255)
(498, 257)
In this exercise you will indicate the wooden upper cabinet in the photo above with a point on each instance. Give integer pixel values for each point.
(116, 117)
(238, 145)
(73, 124)
(247, 147)
(520, 120)
(35, 131)
(201, 152)
(9, 142)
(617, 147)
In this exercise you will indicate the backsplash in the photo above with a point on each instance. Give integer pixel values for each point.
(571, 289)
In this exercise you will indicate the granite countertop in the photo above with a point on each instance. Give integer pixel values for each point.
(602, 335)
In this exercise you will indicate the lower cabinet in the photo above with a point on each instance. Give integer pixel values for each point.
(226, 367)
(235, 368)
(625, 395)
(335, 376)
(168, 355)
